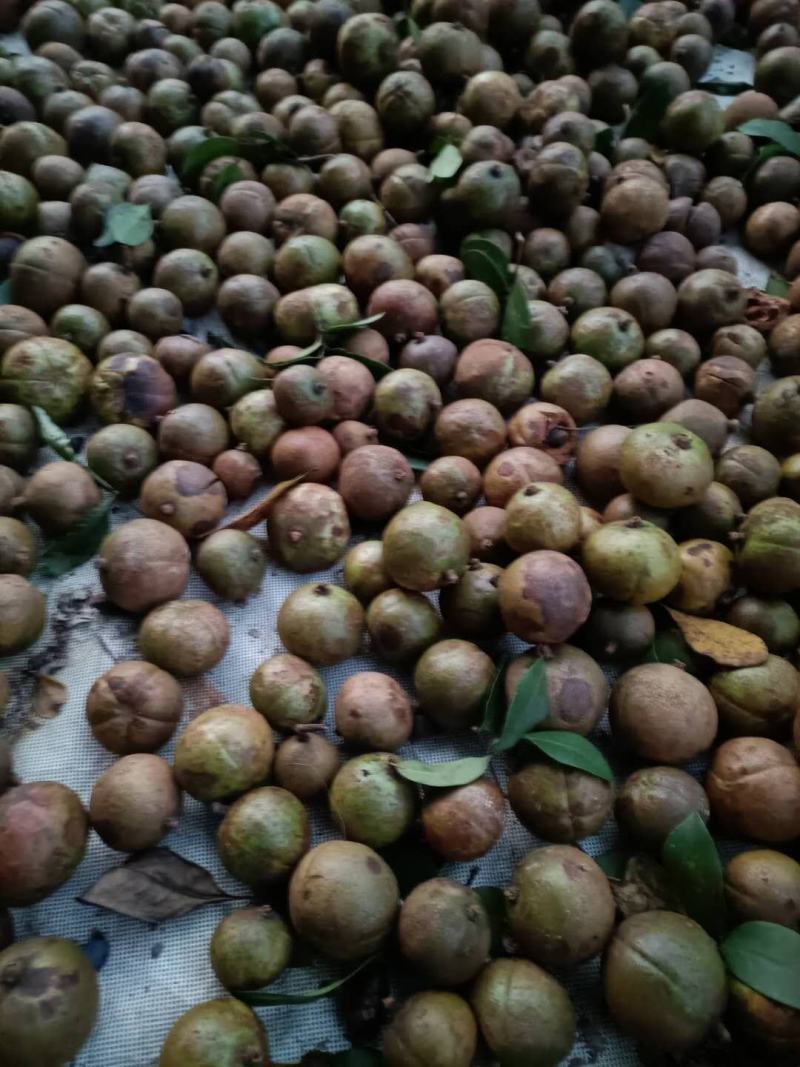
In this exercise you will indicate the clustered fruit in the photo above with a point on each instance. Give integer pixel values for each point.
(351, 148)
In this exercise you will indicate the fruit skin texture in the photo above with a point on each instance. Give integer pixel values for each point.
(43, 830)
(287, 691)
(465, 822)
(143, 563)
(321, 623)
(22, 613)
(184, 637)
(343, 899)
(134, 707)
(425, 546)
(451, 679)
(372, 711)
(305, 764)
(544, 597)
(632, 561)
(663, 714)
(525, 1015)
(308, 528)
(250, 948)
(48, 1001)
(665, 465)
(218, 1033)
(135, 802)
(223, 752)
(766, 1025)
(665, 981)
(754, 788)
(561, 907)
(444, 931)
(577, 689)
(402, 625)
(263, 835)
(764, 885)
(558, 803)
(431, 1028)
(370, 802)
(758, 700)
(653, 800)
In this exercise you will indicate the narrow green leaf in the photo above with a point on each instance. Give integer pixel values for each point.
(776, 286)
(646, 116)
(773, 130)
(494, 901)
(308, 355)
(5, 292)
(614, 863)
(572, 750)
(197, 158)
(691, 858)
(349, 327)
(528, 708)
(77, 545)
(378, 370)
(126, 224)
(485, 262)
(417, 463)
(517, 318)
(412, 862)
(766, 957)
(494, 703)
(260, 999)
(604, 142)
(52, 435)
(723, 88)
(445, 164)
(227, 176)
(453, 773)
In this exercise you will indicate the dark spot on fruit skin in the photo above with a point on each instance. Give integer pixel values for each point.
(373, 865)
(192, 482)
(388, 637)
(698, 550)
(574, 700)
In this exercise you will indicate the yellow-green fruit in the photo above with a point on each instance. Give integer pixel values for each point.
(764, 885)
(757, 701)
(219, 1033)
(263, 836)
(525, 1015)
(432, 1028)
(18, 549)
(632, 561)
(250, 948)
(223, 752)
(184, 637)
(288, 692)
(232, 563)
(706, 575)
(451, 680)
(665, 981)
(48, 372)
(665, 465)
(321, 623)
(48, 1002)
(370, 802)
(343, 899)
(543, 515)
(425, 546)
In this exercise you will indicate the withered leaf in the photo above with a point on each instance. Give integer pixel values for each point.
(49, 696)
(259, 511)
(727, 645)
(155, 885)
(645, 886)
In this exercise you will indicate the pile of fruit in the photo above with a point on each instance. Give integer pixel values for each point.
(475, 324)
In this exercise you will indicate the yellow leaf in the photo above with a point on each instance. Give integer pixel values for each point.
(727, 645)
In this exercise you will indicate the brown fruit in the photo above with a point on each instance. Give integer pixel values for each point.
(597, 461)
(544, 597)
(762, 885)
(471, 428)
(185, 495)
(143, 563)
(754, 788)
(59, 495)
(577, 689)
(135, 803)
(515, 468)
(184, 637)
(558, 803)
(238, 471)
(444, 931)
(464, 823)
(373, 712)
(434, 1028)
(305, 764)
(308, 528)
(134, 707)
(375, 481)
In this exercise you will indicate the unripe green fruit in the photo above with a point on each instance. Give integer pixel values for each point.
(665, 465)
(370, 802)
(632, 561)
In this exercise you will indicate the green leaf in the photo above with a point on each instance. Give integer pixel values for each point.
(197, 158)
(227, 176)
(412, 862)
(378, 370)
(417, 463)
(5, 292)
(445, 164)
(407, 27)
(453, 773)
(766, 957)
(494, 702)
(614, 863)
(126, 224)
(669, 646)
(692, 860)
(529, 706)
(776, 286)
(572, 750)
(773, 130)
(485, 262)
(517, 318)
(723, 88)
(604, 142)
(78, 544)
(52, 435)
(308, 355)
(646, 116)
(494, 901)
(348, 327)
(260, 999)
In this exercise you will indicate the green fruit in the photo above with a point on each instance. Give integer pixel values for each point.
(370, 802)
(218, 1033)
(692, 122)
(43, 830)
(444, 931)
(769, 558)
(263, 836)
(665, 981)
(654, 800)
(288, 692)
(451, 680)
(561, 907)
(543, 515)
(775, 621)
(757, 701)
(223, 752)
(632, 561)
(343, 899)
(321, 623)
(471, 606)
(122, 455)
(18, 202)
(618, 631)
(425, 547)
(524, 1014)
(402, 625)
(610, 335)
(665, 465)
(432, 1028)
(250, 948)
(364, 573)
(48, 1001)
(232, 563)
(48, 373)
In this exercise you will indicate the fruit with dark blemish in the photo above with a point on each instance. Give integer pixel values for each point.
(43, 831)
(464, 823)
(250, 948)
(321, 623)
(444, 931)
(134, 389)
(185, 495)
(373, 712)
(654, 800)
(343, 899)
(706, 576)
(184, 637)
(425, 547)
(401, 625)
(544, 426)
(223, 752)
(576, 687)
(405, 404)
(48, 1000)
(263, 836)
(544, 597)
(665, 465)
(308, 528)
(370, 802)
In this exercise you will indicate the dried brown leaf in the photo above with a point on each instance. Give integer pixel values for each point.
(728, 646)
(763, 311)
(259, 511)
(49, 696)
(645, 887)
